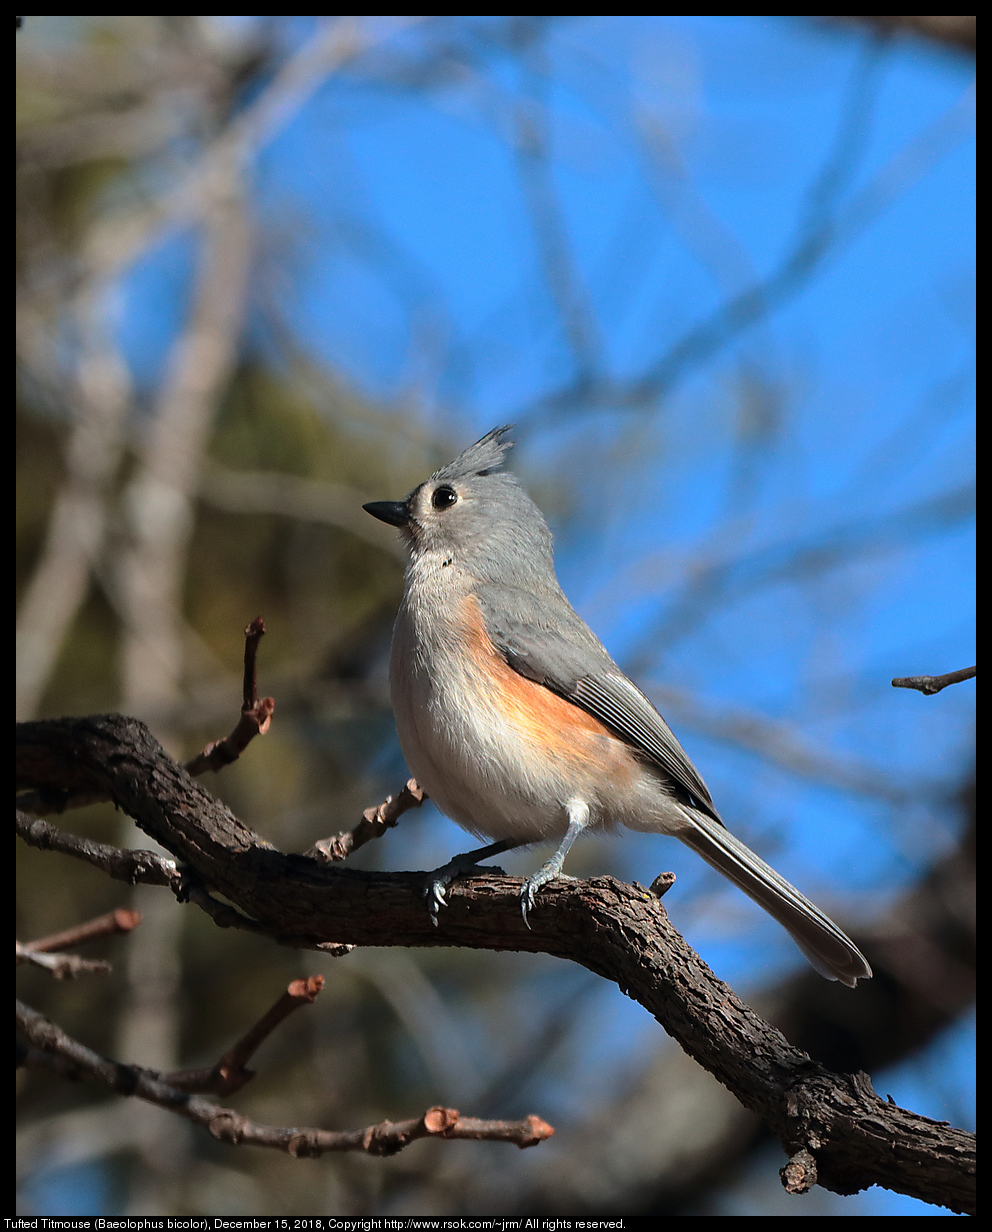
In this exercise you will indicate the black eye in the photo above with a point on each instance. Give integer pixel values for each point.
(444, 497)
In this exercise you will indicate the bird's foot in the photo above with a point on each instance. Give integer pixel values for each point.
(535, 882)
(439, 880)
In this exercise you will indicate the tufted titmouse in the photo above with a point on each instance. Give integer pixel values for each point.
(516, 721)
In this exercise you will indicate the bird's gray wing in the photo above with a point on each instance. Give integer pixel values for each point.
(564, 655)
(569, 660)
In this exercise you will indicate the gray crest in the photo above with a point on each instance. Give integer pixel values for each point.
(484, 456)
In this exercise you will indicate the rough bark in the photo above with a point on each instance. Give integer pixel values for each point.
(836, 1130)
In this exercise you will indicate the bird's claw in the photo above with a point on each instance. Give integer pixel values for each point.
(440, 879)
(527, 896)
(436, 898)
(531, 886)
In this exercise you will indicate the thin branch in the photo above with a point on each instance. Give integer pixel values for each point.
(721, 580)
(61, 966)
(256, 714)
(532, 142)
(933, 684)
(222, 914)
(78, 521)
(230, 1072)
(146, 867)
(851, 137)
(375, 822)
(59, 1053)
(961, 32)
(780, 744)
(123, 920)
(811, 248)
(158, 501)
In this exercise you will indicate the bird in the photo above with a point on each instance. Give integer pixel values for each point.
(516, 721)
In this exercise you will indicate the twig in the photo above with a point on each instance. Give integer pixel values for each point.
(57, 1052)
(44, 951)
(231, 1072)
(61, 966)
(570, 298)
(123, 920)
(133, 866)
(256, 714)
(933, 684)
(781, 745)
(375, 822)
(222, 914)
(146, 867)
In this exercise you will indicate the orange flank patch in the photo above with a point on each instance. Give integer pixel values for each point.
(545, 720)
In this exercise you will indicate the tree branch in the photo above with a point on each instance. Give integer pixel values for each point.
(123, 920)
(44, 953)
(375, 822)
(293, 496)
(959, 32)
(231, 1072)
(933, 684)
(256, 713)
(620, 932)
(61, 966)
(256, 716)
(132, 866)
(59, 1053)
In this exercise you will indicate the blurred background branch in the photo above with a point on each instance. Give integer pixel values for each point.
(958, 32)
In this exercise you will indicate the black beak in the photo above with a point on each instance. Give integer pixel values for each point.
(393, 512)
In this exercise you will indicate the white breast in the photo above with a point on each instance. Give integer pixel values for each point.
(490, 773)
(454, 738)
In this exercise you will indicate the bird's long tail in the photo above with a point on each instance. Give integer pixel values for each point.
(830, 951)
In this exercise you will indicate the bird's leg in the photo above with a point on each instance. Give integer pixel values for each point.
(578, 819)
(458, 866)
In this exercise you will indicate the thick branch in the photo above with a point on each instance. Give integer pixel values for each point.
(620, 932)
